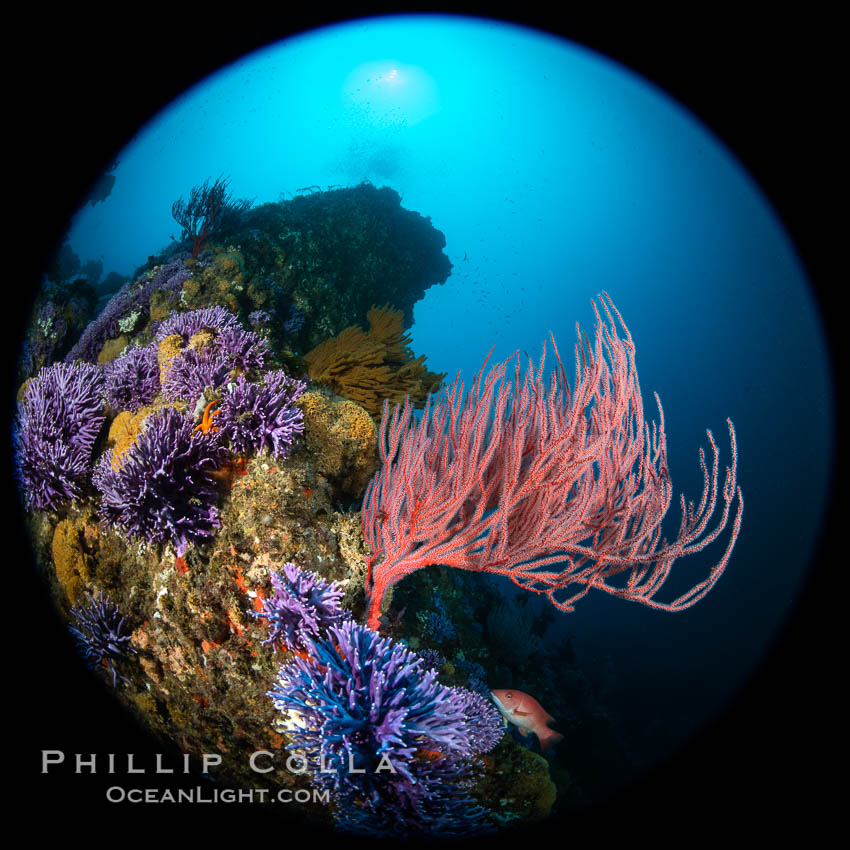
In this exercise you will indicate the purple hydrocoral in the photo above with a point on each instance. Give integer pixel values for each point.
(294, 321)
(171, 276)
(304, 605)
(256, 416)
(259, 319)
(133, 379)
(439, 628)
(232, 349)
(103, 327)
(133, 297)
(57, 424)
(432, 659)
(162, 489)
(246, 349)
(101, 636)
(188, 324)
(483, 721)
(391, 744)
(192, 370)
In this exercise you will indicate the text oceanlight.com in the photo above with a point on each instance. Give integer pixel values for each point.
(116, 794)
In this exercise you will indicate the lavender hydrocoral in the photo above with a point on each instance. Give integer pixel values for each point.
(477, 675)
(192, 370)
(231, 350)
(100, 633)
(104, 327)
(161, 488)
(259, 319)
(391, 744)
(256, 416)
(304, 605)
(432, 659)
(436, 624)
(57, 424)
(133, 379)
(188, 324)
(294, 321)
(439, 628)
(483, 721)
(129, 307)
(246, 349)
(171, 276)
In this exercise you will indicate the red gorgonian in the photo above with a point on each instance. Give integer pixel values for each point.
(561, 489)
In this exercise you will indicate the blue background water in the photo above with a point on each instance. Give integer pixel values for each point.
(554, 174)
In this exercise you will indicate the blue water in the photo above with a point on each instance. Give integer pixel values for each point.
(554, 174)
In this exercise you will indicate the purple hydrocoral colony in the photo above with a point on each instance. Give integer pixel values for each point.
(188, 324)
(256, 416)
(246, 349)
(483, 721)
(162, 489)
(133, 297)
(432, 659)
(304, 605)
(192, 370)
(58, 421)
(391, 744)
(132, 380)
(294, 321)
(232, 349)
(259, 319)
(100, 634)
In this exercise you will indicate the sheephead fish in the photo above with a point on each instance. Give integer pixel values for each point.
(527, 715)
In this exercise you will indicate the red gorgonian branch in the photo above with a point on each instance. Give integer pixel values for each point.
(208, 210)
(559, 489)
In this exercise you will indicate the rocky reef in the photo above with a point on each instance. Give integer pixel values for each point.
(210, 481)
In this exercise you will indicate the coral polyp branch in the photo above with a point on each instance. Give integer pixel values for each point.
(101, 633)
(59, 419)
(161, 489)
(258, 416)
(302, 608)
(358, 700)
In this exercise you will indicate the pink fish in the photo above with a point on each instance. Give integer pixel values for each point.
(527, 715)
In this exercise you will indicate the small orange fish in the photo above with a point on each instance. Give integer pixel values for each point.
(527, 715)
